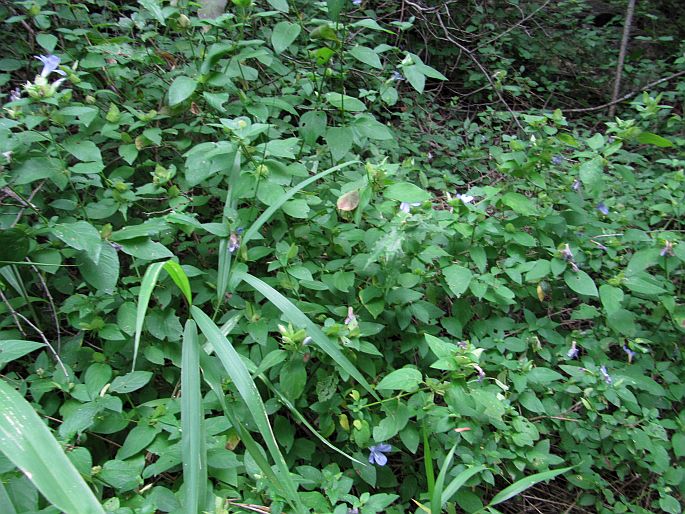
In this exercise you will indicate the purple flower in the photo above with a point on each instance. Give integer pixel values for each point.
(233, 242)
(396, 76)
(630, 353)
(50, 64)
(353, 510)
(116, 246)
(667, 249)
(15, 95)
(465, 198)
(350, 316)
(406, 206)
(573, 351)
(557, 160)
(481, 373)
(462, 344)
(566, 253)
(576, 185)
(377, 454)
(601, 207)
(607, 378)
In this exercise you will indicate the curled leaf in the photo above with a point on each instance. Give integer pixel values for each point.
(348, 201)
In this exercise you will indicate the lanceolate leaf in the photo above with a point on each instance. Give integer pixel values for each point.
(28, 443)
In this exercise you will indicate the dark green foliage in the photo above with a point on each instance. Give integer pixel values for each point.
(325, 225)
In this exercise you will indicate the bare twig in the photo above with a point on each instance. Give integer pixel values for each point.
(485, 72)
(45, 340)
(628, 96)
(523, 20)
(12, 312)
(52, 305)
(622, 55)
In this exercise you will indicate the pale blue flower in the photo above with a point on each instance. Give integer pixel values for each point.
(667, 249)
(50, 64)
(576, 185)
(601, 207)
(233, 242)
(15, 95)
(396, 76)
(357, 2)
(481, 373)
(377, 454)
(557, 160)
(350, 316)
(605, 375)
(406, 206)
(573, 351)
(629, 352)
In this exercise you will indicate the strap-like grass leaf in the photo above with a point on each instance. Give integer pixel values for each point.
(459, 481)
(436, 497)
(254, 228)
(146, 288)
(193, 448)
(28, 443)
(180, 278)
(248, 392)
(300, 319)
(521, 485)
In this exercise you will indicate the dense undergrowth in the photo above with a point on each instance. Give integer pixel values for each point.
(325, 257)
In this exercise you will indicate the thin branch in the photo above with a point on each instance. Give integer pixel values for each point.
(628, 95)
(12, 312)
(622, 55)
(52, 305)
(523, 20)
(481, 68)
(45, 340)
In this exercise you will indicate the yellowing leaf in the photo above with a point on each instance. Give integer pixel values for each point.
(349, 201)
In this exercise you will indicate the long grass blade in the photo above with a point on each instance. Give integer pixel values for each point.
(193, 448)
(28, 443)
(180, 278)
(458, 481)
(266, 215)
(300, 319)
(436, 497)
(225, 256)
(248, 392)
(146, 288)
(521, 485)
(428, 463)
(211, 377)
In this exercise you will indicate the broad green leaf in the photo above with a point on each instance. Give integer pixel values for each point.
(312, 126)
(591, 173)
(339, 141)
(280, 5)
(193, 449)
(334, 8)
(130, 382)
(524, 483)
(28, 443)
(648, 138)
(611, 298)
(580, 282)
(47, 41)
(415, 77)
(146, 288)
(367, 56)
(14, 245)
(104, 274)
(519, 203)
(154, 7)
(345, 103)
(12, 349)
(80, 235)
(83, 150)
(405, 379)
(406, 192)
(283, 35)
(181, 89)
(37, 168)
(458, 278)
(143, 248)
